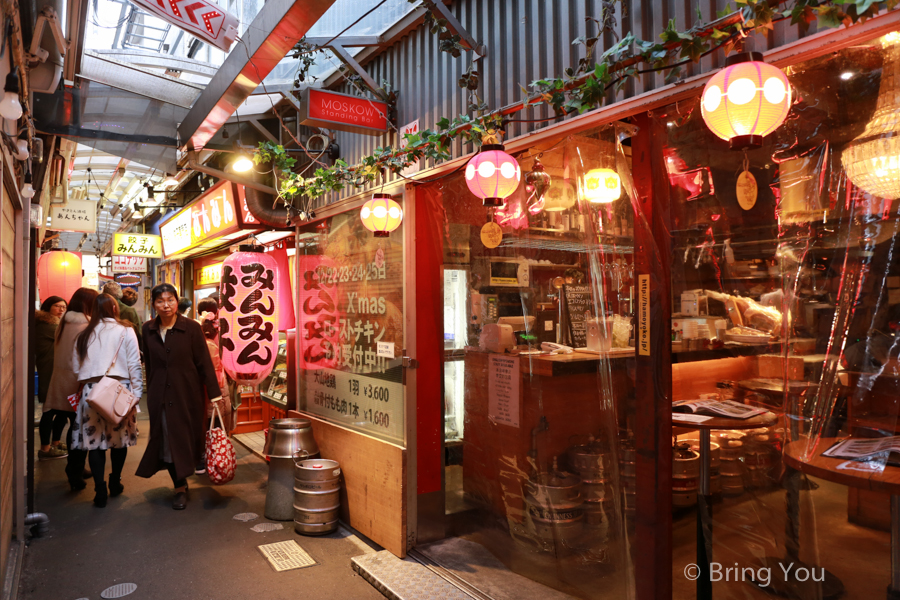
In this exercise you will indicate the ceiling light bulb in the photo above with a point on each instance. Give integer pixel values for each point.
(242, 164)
(847, 75)
(22, 149)
(10, 107)
(27, 189)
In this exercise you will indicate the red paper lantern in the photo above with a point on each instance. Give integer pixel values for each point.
(59, 274)
(248, 323)
(745, 101)
(493, 175)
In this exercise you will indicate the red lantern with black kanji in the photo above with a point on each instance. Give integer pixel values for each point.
(248, 323)
(59, 274)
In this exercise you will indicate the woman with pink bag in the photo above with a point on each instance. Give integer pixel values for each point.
(108, 346)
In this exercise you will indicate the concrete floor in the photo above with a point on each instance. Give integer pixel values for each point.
(195, 554)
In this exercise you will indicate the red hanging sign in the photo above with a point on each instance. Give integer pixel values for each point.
(200, 18)
(343, 112)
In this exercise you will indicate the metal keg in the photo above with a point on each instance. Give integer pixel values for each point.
(289, 436)
(590, 458)
(554, 506)
(732, 476)
(685, 475)
(715, 460)
(317, 496)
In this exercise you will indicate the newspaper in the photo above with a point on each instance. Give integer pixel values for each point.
(726, 408)
(866, 449)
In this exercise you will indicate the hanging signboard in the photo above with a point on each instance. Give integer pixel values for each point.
(202, 222)
(137, 244)
(203, 19)
(75, 215)
(319, 108)
(245, 217)
(129, 264)
(209, 275)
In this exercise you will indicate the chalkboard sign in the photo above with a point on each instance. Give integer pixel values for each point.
(579, 301)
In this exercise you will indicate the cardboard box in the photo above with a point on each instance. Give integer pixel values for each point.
(771, 367)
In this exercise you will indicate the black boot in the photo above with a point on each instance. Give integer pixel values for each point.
(74, 469)
(100, 496)
(115, 485)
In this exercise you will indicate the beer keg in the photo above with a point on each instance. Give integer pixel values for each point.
(317, 500)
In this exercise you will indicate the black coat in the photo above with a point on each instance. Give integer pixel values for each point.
(180, 373)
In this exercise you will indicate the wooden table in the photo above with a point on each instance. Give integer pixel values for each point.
(704, 498)
(840, 471)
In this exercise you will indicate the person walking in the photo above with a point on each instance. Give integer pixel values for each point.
(180, 375)
(184, 307)
(64, 382)
(129, 297)
(126, 313)
(52, 424)
(107, 346)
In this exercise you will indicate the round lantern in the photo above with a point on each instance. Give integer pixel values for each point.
(381, 215)
(561, 196)
(602, 186)
(59, 274)
(493, 175)
(745, 101)
(248, 323)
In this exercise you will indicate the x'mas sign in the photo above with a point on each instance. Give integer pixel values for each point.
(201, 18)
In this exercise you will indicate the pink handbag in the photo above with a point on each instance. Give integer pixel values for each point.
(109, 397)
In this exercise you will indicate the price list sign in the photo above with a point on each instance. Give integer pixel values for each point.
(358, 401)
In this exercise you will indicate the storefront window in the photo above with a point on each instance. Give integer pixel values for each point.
(350, 326)
(538, 368)
(785, 295)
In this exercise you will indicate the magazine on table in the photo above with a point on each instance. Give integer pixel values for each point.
(863, 449)
(717, 408)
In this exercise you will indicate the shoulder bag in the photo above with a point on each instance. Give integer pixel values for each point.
(109, 397)
(220, 458)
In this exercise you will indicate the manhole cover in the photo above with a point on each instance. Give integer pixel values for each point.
(263, 527)
(246, 517)
(117, 591)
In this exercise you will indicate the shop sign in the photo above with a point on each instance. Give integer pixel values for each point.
(128, 280)
(319, 108)
(245, 217)
(137, 244)
(209, 274)
(504, 395)
(643, 340)
(129, 264)
(354, 400)
(91, 279)
(203, 19)
(206, 218)
(75, 215)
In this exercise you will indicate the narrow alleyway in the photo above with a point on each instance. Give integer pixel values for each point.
(197, 554)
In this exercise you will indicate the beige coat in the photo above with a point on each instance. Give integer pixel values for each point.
(64, 383)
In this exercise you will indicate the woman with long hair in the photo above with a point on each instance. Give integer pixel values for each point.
(64, 383)
(180, 375)
(107, 346)
(52, 424)
(209, 322)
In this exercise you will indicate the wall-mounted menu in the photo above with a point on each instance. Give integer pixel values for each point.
(579, 302)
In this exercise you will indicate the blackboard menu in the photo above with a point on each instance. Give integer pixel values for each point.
(579, 302)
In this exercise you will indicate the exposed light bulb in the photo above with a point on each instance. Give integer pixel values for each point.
(22, 149)
(10, 107)
(27, 191)
(847, 75)
(242, 164)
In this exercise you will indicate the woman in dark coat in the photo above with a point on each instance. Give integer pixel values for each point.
(179, 376)
(52, 422)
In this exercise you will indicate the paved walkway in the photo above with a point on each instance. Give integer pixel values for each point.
(195, 554)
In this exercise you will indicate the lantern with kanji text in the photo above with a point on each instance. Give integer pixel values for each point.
(602, 186)
(59, 274)
(493, 175)
(248, 323)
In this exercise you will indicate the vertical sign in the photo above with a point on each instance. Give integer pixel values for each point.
(643, 341)
(503, 390)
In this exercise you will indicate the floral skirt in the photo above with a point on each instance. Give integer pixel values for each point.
(93, 432)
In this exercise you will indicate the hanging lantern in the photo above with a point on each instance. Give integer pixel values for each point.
(872, 160)
(561, 196)
(493, 175)
(59, 274)
(746, 101)
(286, 318)
(249, 315)
(381, 215)
(602, 186)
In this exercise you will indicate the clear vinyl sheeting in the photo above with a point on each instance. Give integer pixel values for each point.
(786, 301)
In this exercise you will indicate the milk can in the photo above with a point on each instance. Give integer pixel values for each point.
(286, 438)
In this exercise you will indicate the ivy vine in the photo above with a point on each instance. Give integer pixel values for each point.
(583, 87)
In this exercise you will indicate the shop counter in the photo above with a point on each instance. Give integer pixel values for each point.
(553, 403)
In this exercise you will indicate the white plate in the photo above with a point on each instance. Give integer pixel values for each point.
(747, 339)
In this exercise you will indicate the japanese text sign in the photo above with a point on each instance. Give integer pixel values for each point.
(76, 215)
(249, 316)
(320, 108)
(209, 274)
(210, 216)
(203, 19)
(137, 244)
(129, 264)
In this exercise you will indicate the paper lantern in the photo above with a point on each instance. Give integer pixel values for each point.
(285, 295)
(381, 215)
(872, 160)
(561, 196)
(602, 186)
(493, 175)
(59, 274)
(249, 315)
(746, 101)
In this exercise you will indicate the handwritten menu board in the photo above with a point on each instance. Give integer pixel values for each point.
(579, 301)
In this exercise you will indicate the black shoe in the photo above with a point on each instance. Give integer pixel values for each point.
(77, 484)
(100, 497)
(115, 486)
(180, 501)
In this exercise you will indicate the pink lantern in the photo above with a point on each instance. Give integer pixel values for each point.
(249, 315)
(493, 175)
(285, 297)
(59, 274)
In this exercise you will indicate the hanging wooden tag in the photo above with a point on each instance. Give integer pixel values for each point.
(746, 188)
(491, 235)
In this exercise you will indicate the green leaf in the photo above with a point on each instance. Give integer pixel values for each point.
(694, 48)
(718, 34)
(725, 11)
